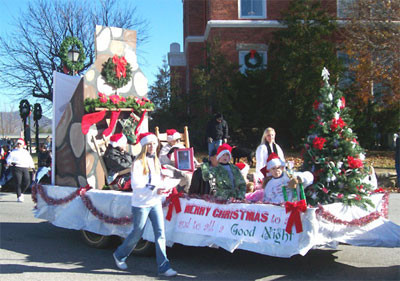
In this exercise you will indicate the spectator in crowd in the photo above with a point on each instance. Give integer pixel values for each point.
(217, 132)
(266, 147)
(44, 162)
(146, 203)
(20, 162)
(5, 174)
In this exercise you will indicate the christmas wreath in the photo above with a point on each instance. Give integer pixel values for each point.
(65, 47)
(37, 112)
(116, 71)
(24, 109)
(253, 54)
(115, 102)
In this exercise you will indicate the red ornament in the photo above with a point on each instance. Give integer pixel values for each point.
(318, 143)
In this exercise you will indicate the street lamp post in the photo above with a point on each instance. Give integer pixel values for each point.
(73, 55)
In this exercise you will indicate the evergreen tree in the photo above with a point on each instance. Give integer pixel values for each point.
(333, 153)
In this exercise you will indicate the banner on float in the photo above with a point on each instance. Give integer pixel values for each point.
(255, 223)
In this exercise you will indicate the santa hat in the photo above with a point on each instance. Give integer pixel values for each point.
(273, 161)
(244, 169)
(118, 140)
(21, 141)
(172, 135)
(146, 138)
(222, 149)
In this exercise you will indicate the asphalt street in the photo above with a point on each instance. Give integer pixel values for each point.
(33, 249)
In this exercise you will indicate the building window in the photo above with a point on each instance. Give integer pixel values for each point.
(345, 8)
(252, 60)
(252, 9)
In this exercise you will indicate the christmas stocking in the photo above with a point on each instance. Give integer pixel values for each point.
(90, 119)
(140, 122)
(114, 118)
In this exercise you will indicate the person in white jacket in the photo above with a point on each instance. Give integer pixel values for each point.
(266, 147)
(20, 162)
(273, 192)
(147, 191)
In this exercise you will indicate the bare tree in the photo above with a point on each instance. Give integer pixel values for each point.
(29, 56)
(372, 41)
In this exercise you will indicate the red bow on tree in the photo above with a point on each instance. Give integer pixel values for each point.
(295, 208)
(120, 64)
(174, 198)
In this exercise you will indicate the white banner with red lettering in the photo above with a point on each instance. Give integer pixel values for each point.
(255, 227)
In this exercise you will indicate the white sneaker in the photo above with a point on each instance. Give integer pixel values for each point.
(120, 264)
(21, 198)
(169, 273)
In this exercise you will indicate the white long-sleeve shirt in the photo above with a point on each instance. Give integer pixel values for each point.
(142, 195)
(262, 156)
(21, 158)
(273, 190)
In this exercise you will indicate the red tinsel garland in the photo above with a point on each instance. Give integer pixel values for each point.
(321, 212)
(85, 199)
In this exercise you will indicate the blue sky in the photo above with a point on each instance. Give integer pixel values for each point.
(165, 19)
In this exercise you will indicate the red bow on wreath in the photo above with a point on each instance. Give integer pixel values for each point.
(174, 198)
(120, 64)
(295, 208)
(252, 53)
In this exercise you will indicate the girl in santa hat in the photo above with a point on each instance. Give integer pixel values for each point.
(146, 203)
(273, 187)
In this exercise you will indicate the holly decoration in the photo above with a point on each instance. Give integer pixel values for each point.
(66, 45)
(117, 72)
(37, 112)
(333, 154)
(115, 102)
(24, 109)
(253, 59)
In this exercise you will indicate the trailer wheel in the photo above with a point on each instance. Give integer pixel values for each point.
(95, 240)
(143, 247)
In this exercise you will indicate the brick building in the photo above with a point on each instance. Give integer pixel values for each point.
(240, 26)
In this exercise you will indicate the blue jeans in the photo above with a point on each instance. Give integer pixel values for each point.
(213, 145)
(140, 216)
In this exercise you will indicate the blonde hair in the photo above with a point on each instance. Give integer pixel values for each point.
(266, 131)
(142, 157)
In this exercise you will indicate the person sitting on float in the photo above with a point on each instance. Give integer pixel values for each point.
(279, 178)
(229, 182)
(118, 159)
(200, 184)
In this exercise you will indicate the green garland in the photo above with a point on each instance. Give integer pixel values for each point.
(37, 112)
(109, 74)
(257, 57)
(131, 102)
(24, 109)
(65, 47)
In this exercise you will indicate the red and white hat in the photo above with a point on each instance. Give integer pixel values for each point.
(21, 141)
(118, 140)
(244, 169)
(273, 161)
(146, 138)
(222, 149)
(172, 134)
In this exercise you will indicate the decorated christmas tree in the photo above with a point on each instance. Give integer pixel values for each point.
(333, 154)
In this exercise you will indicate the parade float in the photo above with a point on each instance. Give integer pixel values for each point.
(343, 206)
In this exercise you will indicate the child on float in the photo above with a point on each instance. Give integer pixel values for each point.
(229, 182)
(273, 192)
